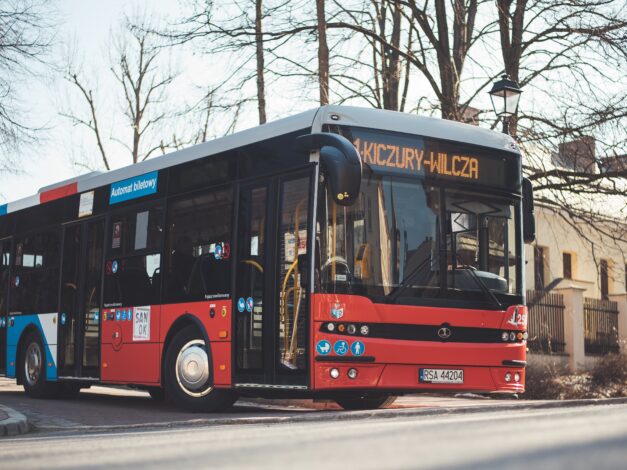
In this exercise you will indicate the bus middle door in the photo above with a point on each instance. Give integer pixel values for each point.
(271, 304)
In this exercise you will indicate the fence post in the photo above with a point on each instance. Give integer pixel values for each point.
(621, 299)
(574, 334)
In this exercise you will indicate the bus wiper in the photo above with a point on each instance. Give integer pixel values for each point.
(394, 293)
(489, 294)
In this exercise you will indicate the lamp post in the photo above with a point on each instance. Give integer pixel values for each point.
(505, 95)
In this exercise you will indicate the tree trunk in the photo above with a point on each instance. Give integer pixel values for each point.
(391, 61)
(323, 54)
(261, 92)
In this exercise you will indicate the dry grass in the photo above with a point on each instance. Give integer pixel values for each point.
(608, 379)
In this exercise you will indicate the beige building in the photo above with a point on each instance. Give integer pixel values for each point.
(576, 273)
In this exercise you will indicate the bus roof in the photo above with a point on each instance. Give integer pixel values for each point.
(316, 118)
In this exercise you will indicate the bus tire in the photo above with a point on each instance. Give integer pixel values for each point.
(32, 368)
(366, 402)
(188, 374)
(156, 393)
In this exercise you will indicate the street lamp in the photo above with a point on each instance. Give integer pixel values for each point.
(505, 95)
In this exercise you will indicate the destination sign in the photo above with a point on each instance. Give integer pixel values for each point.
(389, 152)
(417, 159)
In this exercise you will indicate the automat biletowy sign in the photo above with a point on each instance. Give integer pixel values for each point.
(132, 188)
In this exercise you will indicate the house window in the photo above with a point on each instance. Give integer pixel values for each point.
(567, 264)
(539, 254)
(604, 279)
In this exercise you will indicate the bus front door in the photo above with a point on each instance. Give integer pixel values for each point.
(79, 313)
(271, 302)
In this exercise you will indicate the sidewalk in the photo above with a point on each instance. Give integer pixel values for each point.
(12, 422)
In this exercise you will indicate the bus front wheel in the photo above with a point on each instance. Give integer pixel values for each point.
(366, 402)
(188, 379)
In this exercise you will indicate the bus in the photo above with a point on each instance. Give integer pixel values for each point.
(343, 253)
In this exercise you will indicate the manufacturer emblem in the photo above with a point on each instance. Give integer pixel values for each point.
(444, 332)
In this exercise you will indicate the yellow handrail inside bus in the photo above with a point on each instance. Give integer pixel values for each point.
(254, 263)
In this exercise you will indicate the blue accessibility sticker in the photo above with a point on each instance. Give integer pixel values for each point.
(241, 305)
(340, 347)
(63, 318)
(217, 251)
(130, 314)
(249, 304)
(114, 267)
(358, 348)
(123, 315)
(118, 314)
(323, 347)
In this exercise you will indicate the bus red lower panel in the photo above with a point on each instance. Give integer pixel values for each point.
(134, 339)
(135, 363)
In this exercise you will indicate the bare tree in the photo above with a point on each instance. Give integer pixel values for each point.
(261, 86)
(143, 80)
(231, 32)
(24, 39)
(323, 53)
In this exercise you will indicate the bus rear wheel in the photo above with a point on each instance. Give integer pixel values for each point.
(188, 372)
(366, 402)
(32, 368)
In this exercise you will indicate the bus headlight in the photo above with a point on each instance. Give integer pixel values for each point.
(334, 373)
(364, 330)
(352, 373)
(508, 377)
(330, 327)
(516, 377)
(505, 336)
(351, 329)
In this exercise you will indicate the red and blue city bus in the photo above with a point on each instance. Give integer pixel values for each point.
(343, 253)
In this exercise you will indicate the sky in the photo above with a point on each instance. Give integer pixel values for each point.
(83, 32)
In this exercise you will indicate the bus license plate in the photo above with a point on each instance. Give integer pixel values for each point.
(441, 376)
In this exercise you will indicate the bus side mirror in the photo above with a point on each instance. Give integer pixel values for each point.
(529, 219)
(340, 163)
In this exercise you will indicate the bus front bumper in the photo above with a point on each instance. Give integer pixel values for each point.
(418, 377)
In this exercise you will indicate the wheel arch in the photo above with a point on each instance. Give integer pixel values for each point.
(184, 321)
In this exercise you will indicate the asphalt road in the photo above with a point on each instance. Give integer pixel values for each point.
(583, 437)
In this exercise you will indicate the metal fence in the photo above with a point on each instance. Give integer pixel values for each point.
(600, 326)
(546, 322)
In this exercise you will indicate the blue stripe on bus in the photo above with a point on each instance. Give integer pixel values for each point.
(46, 324)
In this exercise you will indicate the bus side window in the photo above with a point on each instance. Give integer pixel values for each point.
(199, 247)
(133, 264)
(35, 276)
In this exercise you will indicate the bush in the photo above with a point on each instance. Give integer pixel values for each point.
(541, 382)
(610, 369)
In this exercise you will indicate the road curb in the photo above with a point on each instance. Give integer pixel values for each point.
(321, 416)
(15, 424)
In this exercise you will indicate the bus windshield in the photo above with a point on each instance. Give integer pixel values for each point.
(406, 239)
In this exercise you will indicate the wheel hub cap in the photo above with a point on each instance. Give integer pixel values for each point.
(192, 366)
(32, 364)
